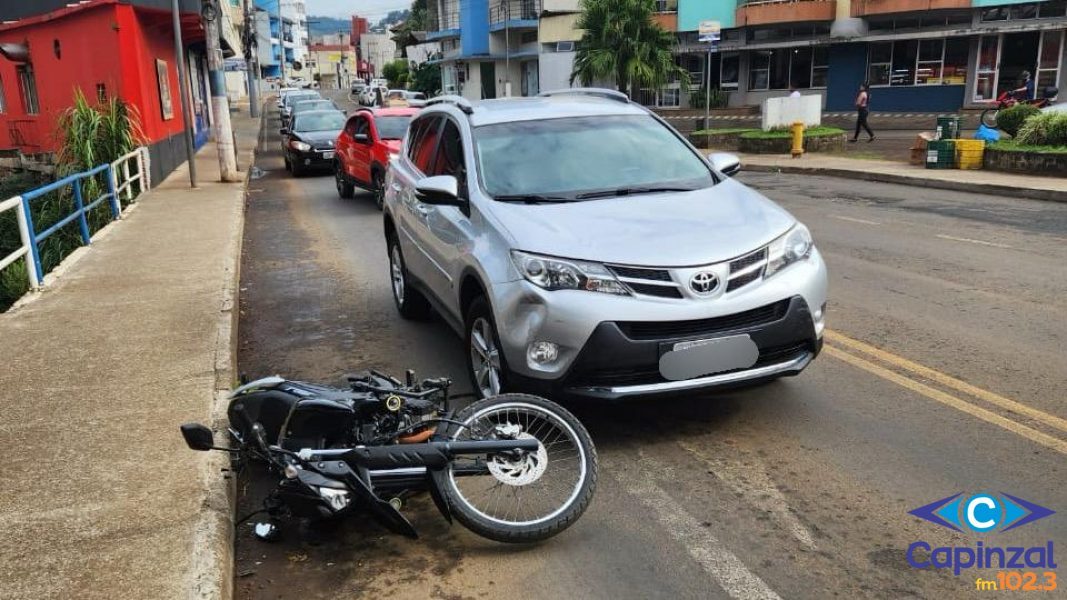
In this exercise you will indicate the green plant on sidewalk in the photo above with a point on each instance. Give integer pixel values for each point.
(818, 131)
(1011, 119)
(1044, 129)
(88, 136)
(699, 98)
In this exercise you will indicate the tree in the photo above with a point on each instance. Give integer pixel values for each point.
(622, 42)
(426, 78)
(396, 72)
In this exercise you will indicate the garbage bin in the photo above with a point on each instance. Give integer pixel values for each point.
(941, 154)
(948, 128)
(969, 153)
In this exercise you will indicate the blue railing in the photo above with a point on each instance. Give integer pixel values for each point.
(80, 209)
(120, 180)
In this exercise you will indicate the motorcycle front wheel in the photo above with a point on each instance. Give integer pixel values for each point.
(989, 117)
(524, 498)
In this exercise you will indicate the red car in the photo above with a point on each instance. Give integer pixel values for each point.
(365, 147)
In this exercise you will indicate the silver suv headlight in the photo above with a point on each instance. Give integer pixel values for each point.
(796, 245)
(553, 273)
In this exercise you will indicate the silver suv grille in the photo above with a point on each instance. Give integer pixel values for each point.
(648, 281)
(746, 269)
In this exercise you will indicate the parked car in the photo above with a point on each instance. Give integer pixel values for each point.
(415, 99)
(310, 105)
(371, 95)
(282, 93)
(581, 246)
(309, 143)
(292, 98)
(367, 143)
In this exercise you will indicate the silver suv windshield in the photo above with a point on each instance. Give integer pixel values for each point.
(581, 158)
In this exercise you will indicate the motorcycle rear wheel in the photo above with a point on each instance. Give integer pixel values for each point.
(524, 499)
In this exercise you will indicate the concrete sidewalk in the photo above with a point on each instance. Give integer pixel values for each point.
(101, 498)
(979, 182)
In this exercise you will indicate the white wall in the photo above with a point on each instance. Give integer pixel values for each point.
(783, 112)
(555, 70)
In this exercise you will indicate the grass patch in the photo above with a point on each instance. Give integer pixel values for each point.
(1012, 146)
(775, 134)
(723, 131)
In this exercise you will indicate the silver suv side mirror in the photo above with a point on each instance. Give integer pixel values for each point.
(439, 190)
(725, 163)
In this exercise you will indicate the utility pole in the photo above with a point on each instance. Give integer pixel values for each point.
(183, 91)
(220, 104)
(281, 43)
(251, 62)
(506, 5)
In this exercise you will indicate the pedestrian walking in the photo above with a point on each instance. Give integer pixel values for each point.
(863, 102)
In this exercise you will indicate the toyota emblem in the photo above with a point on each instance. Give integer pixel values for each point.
(703, 283)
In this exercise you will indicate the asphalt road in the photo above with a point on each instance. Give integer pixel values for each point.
(942, 374)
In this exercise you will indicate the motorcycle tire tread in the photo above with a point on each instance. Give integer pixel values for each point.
(531, 533)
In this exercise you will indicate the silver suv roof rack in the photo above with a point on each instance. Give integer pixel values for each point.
(458, 101)
(598, 92)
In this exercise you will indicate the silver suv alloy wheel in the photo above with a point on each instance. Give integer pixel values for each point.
(396, 266)
(485, 357)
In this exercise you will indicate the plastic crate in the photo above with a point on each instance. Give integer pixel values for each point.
(941, 154)
(948, 128)
(969, 154)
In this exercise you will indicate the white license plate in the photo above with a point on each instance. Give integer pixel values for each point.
(327, 155)
(686, 360)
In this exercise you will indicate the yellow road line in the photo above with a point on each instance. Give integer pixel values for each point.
(948, 400)
(947, 380)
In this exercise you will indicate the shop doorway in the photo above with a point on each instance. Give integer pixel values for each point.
(1018, 53)
(1003, 58)
(488, 73)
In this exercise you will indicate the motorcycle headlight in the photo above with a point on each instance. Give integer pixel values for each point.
(299, 146)
(794, 246)
(563, 274)
(337, 499)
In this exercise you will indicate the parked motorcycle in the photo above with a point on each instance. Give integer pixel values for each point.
(511, 468)
(1009, 98)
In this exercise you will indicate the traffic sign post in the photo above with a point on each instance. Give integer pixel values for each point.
(708, 32)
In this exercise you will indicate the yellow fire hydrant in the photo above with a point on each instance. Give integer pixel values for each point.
(798, 139)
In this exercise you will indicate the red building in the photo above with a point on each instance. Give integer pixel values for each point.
(105, 48)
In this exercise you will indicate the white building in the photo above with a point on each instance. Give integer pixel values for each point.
(294, 14)
(378, 49)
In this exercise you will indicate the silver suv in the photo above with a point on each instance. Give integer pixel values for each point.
(581, 246)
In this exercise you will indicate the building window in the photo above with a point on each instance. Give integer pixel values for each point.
(759, 69)
(784, 68)
(101, 93)
(666, 6)
(1048, 60)
(820, 65)
(917, 62)
(1049, 9)
(729, 70)
(28, 89)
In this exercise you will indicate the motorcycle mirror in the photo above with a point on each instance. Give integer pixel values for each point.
(198, 437)
(266, 531)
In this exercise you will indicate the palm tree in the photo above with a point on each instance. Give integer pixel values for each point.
(622, 42)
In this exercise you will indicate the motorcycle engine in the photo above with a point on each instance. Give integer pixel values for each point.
(398, 415)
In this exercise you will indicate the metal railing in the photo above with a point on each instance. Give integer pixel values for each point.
(514, 10)
(119, 181)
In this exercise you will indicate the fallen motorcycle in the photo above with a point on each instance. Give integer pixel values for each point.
(511, 468)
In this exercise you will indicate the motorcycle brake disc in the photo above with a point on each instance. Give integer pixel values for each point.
(523, 470)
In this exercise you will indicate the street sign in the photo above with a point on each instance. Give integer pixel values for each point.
(708, 31)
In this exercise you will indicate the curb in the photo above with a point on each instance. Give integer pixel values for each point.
(211, 574)
(959, 186)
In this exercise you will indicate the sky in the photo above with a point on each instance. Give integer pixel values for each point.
(371, 9)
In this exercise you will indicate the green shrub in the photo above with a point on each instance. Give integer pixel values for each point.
(1045, 129)
(698, 98)
(1011, 119)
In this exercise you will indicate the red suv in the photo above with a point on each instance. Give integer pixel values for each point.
(369, 140)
